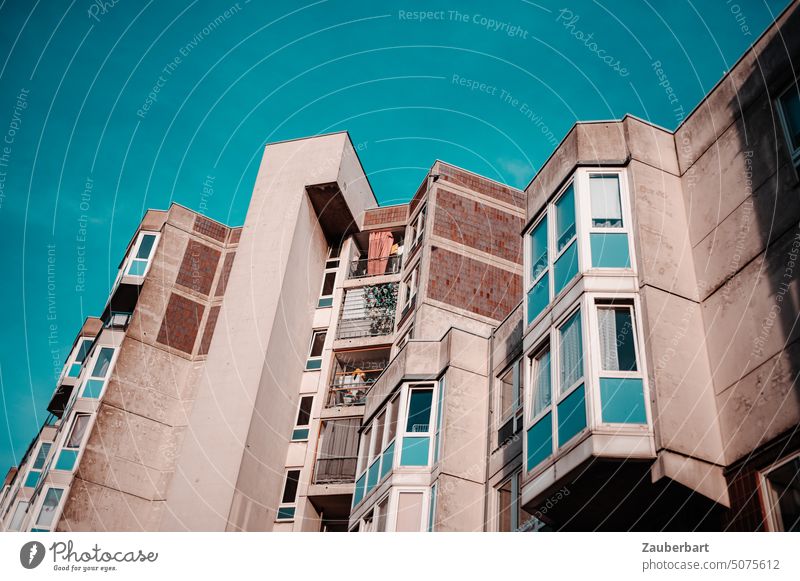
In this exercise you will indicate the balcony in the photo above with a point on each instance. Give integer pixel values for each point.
(368, 311)
(354, 373)
(367, 267)
(338, 452)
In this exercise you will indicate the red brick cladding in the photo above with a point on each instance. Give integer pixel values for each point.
(235, 236)
(210, 228)
(389, 215)
(482, 185)
(227, 265)
(473, 285)
(181, 323)
(198, 267)
(208, 332)
(478, 226)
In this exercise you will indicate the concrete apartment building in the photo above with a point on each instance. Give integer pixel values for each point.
(615, 348)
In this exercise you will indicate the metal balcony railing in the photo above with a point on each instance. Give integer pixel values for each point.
(335, 470)
(368, 311)
(365, 267)
(349, 394)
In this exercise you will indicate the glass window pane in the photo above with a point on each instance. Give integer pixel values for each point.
(317, 344)
(504, 507)
(378, 440)
(103, 362)
(48, 510)
(541, 382)
(606, 207)
(78, 430)
(565, 218)
(44, 449)
(539, 249)
(617, 349)
(365, 444)
(391, 428)
(790, 102)
(83, 350)
(146, 246)
(610, 250)
(19, 514)
(538, 297)
(523, 516)
(565, 268)
(785, 484)
(290, 488)
(304, 414)
(419, 410)
(328, 283)
(137, 267)
(507, 393)
(571, 352)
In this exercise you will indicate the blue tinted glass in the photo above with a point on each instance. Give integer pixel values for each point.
(373, 474)
(539, 249)
(312, 364)
(387, 460)
(539, 441)
(415, 451)
(325, 302)
(300, 434)
(622, 400)
(146, 246)
(32, 479)
(103, 362)
(565, 218)
(66, 460)
(571, 416)
(610, 250)
(137, 267)
(538, 298)
(92, 388)
(74, 370)
(565, 268)
(44, 449)
(358, 493)
(286, 513)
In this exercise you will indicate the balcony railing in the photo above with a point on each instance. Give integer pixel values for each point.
(349, 394)
(368, 312)
(335, 470)
(365, 267)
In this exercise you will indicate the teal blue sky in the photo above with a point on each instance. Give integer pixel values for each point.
(491, 87)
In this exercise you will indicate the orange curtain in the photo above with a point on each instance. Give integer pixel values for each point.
(380, 244)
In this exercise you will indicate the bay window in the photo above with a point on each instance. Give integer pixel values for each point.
(584, 229)
(78, 356)
(38, 463)
(72, 444)
(585, 373)
(47, 512)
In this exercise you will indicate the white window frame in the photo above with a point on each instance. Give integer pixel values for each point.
(71, 360)
(324, 297)
(314, 334)
(33, 459)
(307, 426)
(417, 227)
(593, 365)
(135, 249)
(68, 433)
(92, 360)
(37, 513)
(293, 504)
(19, 505)
(583, 230)
(793, 152)
(407, 335)
(771, 506)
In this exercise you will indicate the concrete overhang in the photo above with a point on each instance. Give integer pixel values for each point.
(333, 212)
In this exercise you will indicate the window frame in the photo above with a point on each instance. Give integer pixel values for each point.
(17, 506)
(410, 288)
(794, 153)
(37, 513)
(135, 249)
(66, 437)
(71, 360)
(282, 504)
(326, 300)
(313, 359)
(297, 435)
(92, 361)
(417, 227)
(41, 469)
(773, 518)
(514, 479)
(580, 181)
(516, 413)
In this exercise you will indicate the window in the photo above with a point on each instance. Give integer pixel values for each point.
(382, 515)
(586, 226)
(328, 283)
(143, 250)
(511, 517)
(571, 350)
(510, 404)
(541, 388)
(417, 228)
(79, 353)
(432, 509)
(315, 351)
(405, 337)
(622, 397)
(19, 515)
(782, 486)
(416, 441)
(72, 444)
(38, 463)
(47, 512)
(439, 418)
(288, 504)
(100, 367)
(789, 107)
(301, 426)
(410, 290)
